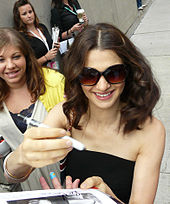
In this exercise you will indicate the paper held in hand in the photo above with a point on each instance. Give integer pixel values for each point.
(55, 35)
(59, 196)
(64, 45)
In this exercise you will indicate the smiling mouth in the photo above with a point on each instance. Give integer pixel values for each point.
(12, 74)
(104, 94)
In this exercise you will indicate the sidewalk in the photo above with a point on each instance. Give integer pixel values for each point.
(152, 37)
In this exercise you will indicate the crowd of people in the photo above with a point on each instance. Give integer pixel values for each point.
(101, 100)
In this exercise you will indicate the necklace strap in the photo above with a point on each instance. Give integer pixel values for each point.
(42, 38)
(67, 8)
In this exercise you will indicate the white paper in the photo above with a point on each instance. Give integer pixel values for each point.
(63, 45)
(73, 196)
(55, 34)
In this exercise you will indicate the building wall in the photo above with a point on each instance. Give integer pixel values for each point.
(121, 13)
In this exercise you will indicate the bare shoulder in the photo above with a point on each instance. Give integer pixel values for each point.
(153, 135)
(56, 117)
(58, 107)
(154, 128)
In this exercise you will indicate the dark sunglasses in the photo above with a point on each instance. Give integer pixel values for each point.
(114, 74)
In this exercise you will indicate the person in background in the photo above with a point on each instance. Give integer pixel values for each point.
(63, 15)
(28, 89)
(110, 95)
(140, 6)
(27, 22)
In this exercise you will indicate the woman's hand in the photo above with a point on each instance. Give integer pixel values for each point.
(56, 183)
(57, 45)
(41, 147)
(97, 182)
(85, 20)
(91, 182)
(77, 27)
(53, 52)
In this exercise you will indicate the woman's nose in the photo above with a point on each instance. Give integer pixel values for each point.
(102, 84)
(10, 64)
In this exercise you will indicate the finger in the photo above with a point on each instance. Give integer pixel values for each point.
(55, 181)
(68, 182)
(55, 50)
(57, 44)
(46, 155)
(90, 182)
(43, 183)
(38, 163)
(47, 145)
(76, 183)
(42, 163)
(42, 133)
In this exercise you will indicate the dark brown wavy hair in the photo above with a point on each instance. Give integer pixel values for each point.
(141, 91)
(34, 74)
(18, 23)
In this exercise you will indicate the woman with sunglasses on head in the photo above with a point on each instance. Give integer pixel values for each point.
(111, 93)
(27, 22)
(26, 89)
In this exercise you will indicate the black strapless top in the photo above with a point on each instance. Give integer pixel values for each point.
(116, 172)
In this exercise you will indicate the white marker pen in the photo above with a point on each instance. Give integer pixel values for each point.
(34, 123)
